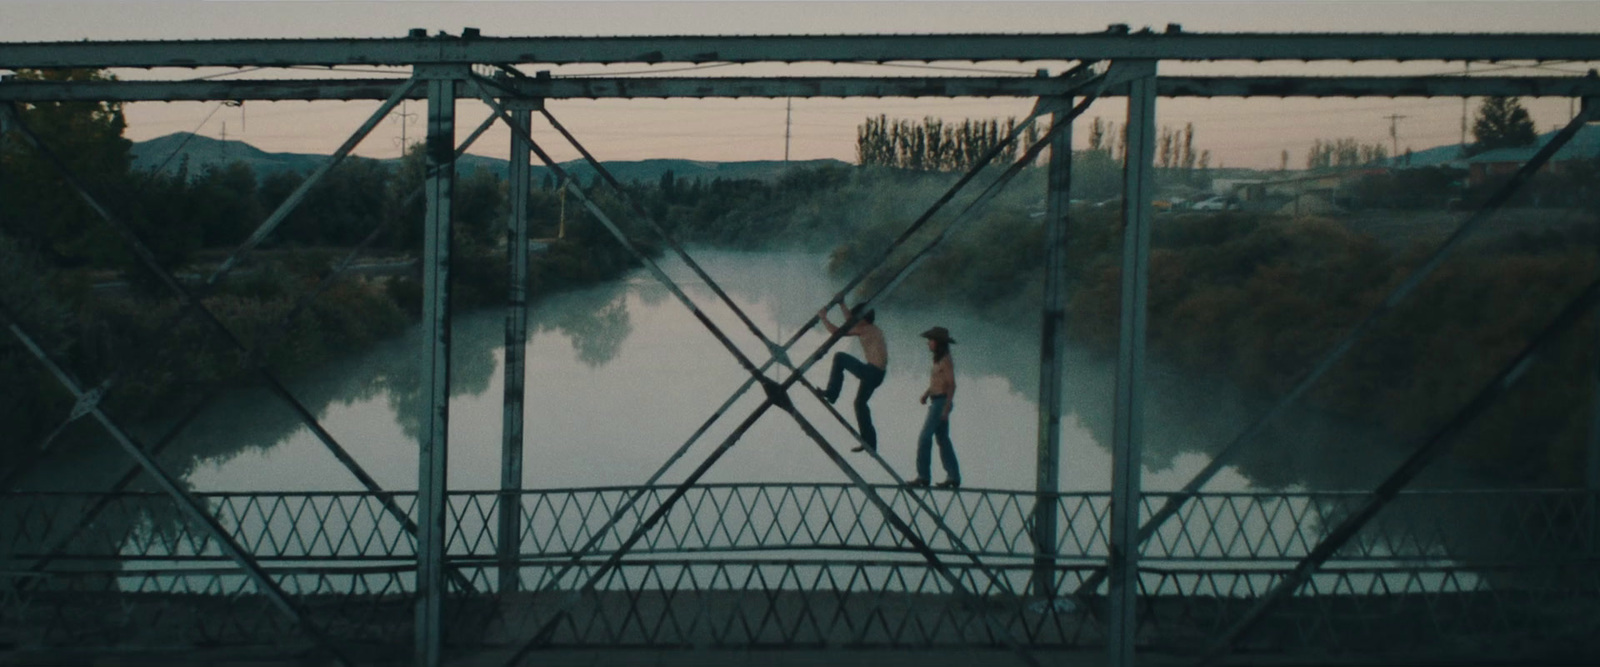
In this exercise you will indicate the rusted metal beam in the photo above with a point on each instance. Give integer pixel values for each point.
(1114, 43)
(1052, 346)
(1127, 433)
(509, 539)
(597, 88)
(433, 451)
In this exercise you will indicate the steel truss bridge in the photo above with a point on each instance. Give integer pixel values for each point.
(521, 576)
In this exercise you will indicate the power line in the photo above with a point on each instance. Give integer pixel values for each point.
(186, 138)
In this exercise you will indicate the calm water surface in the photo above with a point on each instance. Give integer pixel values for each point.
(620, 375)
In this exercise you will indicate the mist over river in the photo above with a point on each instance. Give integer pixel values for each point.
(620, 375)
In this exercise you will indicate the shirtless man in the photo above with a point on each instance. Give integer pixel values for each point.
(942, 394)
(870, 373)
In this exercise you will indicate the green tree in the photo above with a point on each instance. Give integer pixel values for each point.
(40, 208)
(1502, 122)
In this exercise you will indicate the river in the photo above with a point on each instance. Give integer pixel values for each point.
(620, 375)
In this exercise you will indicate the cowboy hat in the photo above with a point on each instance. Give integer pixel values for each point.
(939, 333)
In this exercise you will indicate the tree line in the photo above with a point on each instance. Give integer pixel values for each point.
(936, 145)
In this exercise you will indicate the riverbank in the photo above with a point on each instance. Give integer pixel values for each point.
(162, 360)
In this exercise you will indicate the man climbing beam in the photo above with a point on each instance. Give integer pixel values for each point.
(870, 373)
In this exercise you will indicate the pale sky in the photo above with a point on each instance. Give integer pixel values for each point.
(1239, 133)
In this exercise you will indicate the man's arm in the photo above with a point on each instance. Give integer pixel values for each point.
(824, 315)
(949, 373)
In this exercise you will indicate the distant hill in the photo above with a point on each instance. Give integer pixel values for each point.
(203, 153)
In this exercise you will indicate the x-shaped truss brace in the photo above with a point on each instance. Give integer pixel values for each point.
(777, 392)
(88, 400)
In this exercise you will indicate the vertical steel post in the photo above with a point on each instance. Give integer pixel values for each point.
(1128, 420)
(5, 132)
(1052, 344)
(434, 449)
(510, 505)
(1591, 471)
(1591, 477)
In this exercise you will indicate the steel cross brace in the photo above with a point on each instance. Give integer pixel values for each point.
(1250, 433)
(838, 297)
(1425, 453)
(622, 510)
(278, 330)
(776, 395)
(780, 355)
(289, 204)
(192, 303)
(804, 424)
(187, 504)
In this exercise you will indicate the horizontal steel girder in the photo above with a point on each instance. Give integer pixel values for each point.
(676, 87)
(806, 48)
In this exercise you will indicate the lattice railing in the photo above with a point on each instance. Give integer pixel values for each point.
(1444, 526)
(731, 602)
(1456, 574)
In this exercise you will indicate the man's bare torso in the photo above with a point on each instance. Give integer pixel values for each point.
(872, 345)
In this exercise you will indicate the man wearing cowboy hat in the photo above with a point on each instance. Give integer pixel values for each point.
(870, 373)
(942, 392)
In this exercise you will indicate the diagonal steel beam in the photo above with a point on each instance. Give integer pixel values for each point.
(622, 510)
(192, 304)
(779, 355)
(775, 396)
(187, 504)
(780, 395)
(292, 202)
(1250, 433)
(253, 356)
(605, 220)
(189, 302)
(1425, 453)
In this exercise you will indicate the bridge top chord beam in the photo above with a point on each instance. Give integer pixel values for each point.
(803, 87)
(1108, 45)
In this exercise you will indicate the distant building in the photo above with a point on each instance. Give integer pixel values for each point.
(1327, 186)
(1486, 166)
(1491, 165)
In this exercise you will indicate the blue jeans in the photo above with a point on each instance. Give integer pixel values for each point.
(935, 426)
(870, 376)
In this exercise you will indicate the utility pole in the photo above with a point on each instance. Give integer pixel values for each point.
(788, 118)
(1394, 136)
(405, 119)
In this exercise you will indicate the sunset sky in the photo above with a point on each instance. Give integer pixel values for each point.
(1239, 133)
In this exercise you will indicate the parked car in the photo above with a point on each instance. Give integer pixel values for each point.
(1217, 203)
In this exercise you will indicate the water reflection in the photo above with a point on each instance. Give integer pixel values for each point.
(596, 336)
(619, 375)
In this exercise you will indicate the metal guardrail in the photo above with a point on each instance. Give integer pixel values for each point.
(1460, 574)
(1259, 527)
